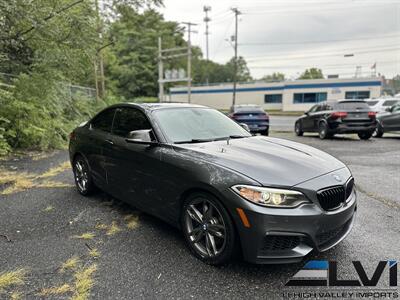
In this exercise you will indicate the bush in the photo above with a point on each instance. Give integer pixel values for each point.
(38, 113)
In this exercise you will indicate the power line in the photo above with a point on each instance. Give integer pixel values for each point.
(316, 42)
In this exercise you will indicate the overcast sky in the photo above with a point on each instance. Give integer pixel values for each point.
(290, 35)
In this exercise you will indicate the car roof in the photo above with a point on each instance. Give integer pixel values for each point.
(159, 105)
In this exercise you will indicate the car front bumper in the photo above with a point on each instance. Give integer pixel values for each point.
(287, 235)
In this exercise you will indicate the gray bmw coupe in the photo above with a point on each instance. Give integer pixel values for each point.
(231, 193)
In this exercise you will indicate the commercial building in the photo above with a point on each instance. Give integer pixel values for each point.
(297, 95)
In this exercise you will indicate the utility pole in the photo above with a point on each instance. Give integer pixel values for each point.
(189, 59)
(237, 13)
(160, 71)
(206, 19)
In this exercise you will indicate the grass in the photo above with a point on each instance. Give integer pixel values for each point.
(101, 226)
(94, 253)
(56, 170)
(24, 181)
(49, 208)
(132, 221)
(12, 278)
(85, 236)
(70, 264)
(113, 229)
(53, 291)
(84, 282)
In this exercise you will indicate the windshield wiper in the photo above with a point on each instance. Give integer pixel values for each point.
(193, 141)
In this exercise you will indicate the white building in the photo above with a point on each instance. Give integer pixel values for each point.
(298, 95)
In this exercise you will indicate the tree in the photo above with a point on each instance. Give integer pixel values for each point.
(312, 73)
(276, 76)
(131, 63)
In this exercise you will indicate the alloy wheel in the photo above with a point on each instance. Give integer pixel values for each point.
(81, 175)
(205, 227)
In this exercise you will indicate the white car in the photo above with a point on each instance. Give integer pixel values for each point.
(381, 104)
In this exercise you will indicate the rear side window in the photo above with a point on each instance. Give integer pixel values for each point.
(351, 105)
(129, 119)
(390, 102)
(104, 120)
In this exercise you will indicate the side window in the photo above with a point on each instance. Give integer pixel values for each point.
(313, 109)
(104, 120)
(396, 108)
(129, 119)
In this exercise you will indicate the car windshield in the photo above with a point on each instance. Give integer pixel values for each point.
(348, 105)
(196, 125)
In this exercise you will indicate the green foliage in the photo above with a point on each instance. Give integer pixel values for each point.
(312, 73)
(276, 76)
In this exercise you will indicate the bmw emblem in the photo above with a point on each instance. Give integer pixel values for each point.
(337, 177)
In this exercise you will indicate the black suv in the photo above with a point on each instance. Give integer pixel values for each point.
(341, 116)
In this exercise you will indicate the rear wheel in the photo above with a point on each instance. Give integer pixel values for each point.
(323, 131)
(298, 129)
(364, 135)
(265, 132)
(208, 229)
(378, 131)
(82, 176)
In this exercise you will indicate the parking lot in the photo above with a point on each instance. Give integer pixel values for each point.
(63, 245)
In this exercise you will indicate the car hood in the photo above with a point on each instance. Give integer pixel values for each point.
(270, 161)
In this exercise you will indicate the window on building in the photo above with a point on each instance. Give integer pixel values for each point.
(309, 97)
(273, 98)
(357, 95)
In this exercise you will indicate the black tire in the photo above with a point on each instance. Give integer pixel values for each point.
(265, 132)
(82, 176)
(378, 133)
(364, 135)
(298, 129)
(212, 222)
(323, 131)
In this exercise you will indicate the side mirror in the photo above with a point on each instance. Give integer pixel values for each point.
(245, 126)
(307, 113)
(388, 109)
(141, 137)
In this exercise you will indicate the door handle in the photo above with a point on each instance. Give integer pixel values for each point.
(109, 142)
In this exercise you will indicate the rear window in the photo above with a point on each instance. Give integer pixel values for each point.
(249, 109)
(390, 102)
(351, 105)
(372, 103)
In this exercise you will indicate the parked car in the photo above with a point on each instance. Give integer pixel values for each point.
(388, 121)
(342, 116)
(381, 104)
(253, 116)
(272, 200)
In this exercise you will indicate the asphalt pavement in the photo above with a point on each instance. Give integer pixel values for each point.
(120, 253)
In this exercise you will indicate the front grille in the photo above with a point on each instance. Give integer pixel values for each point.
(332, 197)
(279, 243)
(325, 237)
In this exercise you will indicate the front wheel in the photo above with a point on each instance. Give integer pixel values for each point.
(208, 229)
(82, 176)
(378, 131)
(364, 135)
(265, 132)
(297, 129)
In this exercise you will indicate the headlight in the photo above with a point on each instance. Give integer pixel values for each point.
(270, 196)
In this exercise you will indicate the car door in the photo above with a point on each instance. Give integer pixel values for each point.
(308, 121)
(97, 140)
(132, 168)
(392, 121)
